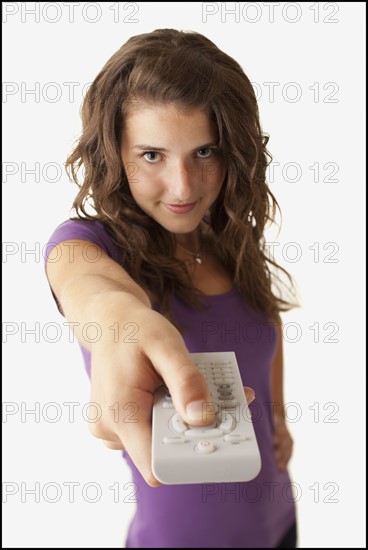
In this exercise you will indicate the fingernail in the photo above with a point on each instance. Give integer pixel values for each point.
(196, 410)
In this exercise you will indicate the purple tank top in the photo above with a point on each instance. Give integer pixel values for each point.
(254, 514)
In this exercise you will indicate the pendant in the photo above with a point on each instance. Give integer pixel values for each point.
(198, 260)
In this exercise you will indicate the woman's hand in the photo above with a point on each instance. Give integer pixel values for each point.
(118, 446)
(125, 375)
(283, 443)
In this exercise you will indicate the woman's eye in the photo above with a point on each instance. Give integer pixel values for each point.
(151, 156)
(204, 153)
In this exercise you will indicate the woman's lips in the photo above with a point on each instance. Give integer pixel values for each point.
(180, 208)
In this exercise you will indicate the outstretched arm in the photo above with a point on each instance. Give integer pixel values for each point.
(126, 370)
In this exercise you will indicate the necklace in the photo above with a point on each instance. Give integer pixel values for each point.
(197, 257)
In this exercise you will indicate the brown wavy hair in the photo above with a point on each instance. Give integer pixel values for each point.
(186, 69)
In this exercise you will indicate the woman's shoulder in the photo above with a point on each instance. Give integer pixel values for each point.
(78, 229)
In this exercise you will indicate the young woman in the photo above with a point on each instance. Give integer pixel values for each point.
(173, 260)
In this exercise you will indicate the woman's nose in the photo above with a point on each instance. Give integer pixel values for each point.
(182, 182)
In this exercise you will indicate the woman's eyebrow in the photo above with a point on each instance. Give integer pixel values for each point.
(149, 147)
(144, 147)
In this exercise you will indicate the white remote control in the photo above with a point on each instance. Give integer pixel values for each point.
(226, 450)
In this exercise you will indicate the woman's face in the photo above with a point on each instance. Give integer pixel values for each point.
(170, 158)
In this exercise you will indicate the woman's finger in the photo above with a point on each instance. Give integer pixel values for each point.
(249, 394)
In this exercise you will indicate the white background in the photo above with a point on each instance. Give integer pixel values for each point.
(318, 47)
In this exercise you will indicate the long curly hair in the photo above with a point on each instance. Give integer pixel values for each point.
(188, 70)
